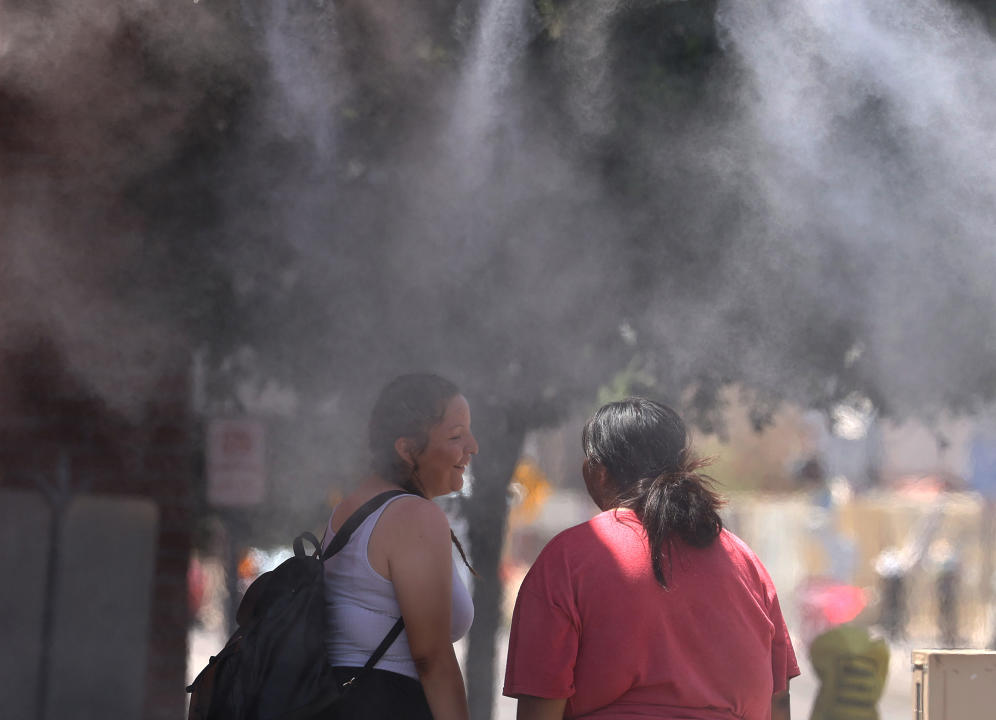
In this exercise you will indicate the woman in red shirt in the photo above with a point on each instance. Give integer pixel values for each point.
(650, 609)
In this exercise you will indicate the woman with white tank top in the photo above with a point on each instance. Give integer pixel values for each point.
(399, 561)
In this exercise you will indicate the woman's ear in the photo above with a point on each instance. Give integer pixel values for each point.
(405, 449)
(596, 480)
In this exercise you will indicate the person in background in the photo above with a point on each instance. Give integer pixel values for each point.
(399, 561)
(651, 608)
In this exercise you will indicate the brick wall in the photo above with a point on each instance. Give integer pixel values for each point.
(53, 431)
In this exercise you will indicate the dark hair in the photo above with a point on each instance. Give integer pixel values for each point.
(644, 447)
(408, 407)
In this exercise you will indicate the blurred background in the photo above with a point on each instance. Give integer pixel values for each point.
(227, 223)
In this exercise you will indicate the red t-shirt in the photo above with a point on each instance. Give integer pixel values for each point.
(592, 625)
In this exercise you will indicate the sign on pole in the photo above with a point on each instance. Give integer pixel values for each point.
(236, 462)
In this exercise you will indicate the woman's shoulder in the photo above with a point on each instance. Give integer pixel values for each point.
(412, 513)
(581, 538)
(403, 516)
(735, 545)
(410, 527)
(583, 550)
(413, 520)
(746, 559)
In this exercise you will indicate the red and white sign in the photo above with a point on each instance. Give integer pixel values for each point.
(236, 462)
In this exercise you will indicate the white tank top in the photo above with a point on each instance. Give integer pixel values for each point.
(361, 607)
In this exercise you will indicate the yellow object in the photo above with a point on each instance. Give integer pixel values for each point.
(852, 668)
(535, 490)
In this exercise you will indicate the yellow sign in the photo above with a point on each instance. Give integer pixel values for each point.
(533, 488)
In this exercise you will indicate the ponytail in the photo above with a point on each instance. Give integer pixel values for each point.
(679, 503)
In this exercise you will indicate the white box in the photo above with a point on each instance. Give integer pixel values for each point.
(954, 684)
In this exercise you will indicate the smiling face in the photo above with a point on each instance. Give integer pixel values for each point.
(446, 454)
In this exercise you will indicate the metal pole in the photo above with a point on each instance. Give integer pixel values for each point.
(59, 496)
(947, 601)
(234, 547)
(988, 575)
(48, 611)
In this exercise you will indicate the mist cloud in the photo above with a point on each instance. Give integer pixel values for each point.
(866, 130)
(418, 178)
(93, 95)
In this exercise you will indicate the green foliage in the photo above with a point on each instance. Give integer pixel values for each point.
(552, 17)
(634, 379)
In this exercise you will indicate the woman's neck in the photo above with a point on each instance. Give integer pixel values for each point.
(376, 482)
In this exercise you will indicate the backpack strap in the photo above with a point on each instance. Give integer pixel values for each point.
(388, 640)
(354, 521)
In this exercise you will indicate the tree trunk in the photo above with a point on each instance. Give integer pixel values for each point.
(486, 511)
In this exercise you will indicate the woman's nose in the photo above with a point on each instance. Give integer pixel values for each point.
(472, 446)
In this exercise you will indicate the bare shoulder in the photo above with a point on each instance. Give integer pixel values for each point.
(414, 518)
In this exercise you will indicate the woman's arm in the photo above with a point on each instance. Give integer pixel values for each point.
(537, 708)
(421, 568)
(781, 708)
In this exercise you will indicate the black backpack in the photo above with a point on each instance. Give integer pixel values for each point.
(275, 665)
